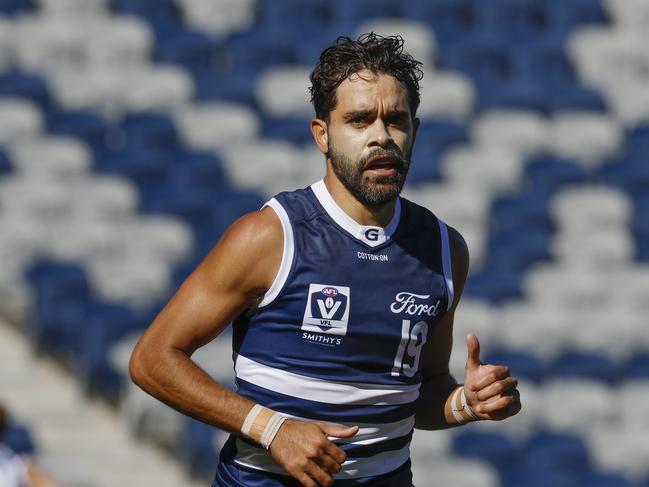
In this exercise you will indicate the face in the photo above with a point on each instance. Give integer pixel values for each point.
(370, 135)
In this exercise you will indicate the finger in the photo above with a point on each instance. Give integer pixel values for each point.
(335, 452)
(305, 480)
(473, 351)
(493, 406)
(328, 463)
(497, 388)
(338, 431)
(497, 372)
(321, 477)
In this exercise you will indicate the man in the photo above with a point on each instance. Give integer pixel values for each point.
(342, 298)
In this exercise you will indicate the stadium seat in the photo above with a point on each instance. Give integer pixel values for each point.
(522, 365)
(289, 129)
(82, 124)
(186, 47)
(525, 131)
(450, 20)
(197, 447)
(153, 129)
(284, 92)
(15, 7)
(19, 119)
(142, 165)
(547, 173)
(446, 95)
(497, 449)
(519, 20)
(551, 450)
(23, 85)
(578, 364)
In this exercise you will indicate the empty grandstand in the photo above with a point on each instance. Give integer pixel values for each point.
(133, 132)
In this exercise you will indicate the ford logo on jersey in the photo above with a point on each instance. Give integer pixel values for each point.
(327, 309)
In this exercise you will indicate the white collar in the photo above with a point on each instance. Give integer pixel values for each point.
(370, 235)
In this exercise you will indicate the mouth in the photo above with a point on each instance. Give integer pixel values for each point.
(383, 165)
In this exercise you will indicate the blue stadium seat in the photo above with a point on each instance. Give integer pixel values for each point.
(291, 129)
(5, 163)
(516, 94)
(542, 63)
(628, 172)
(19, 439)
(105, 324)
(189, 48)
(516, 20)
(234, 86)
(495, 284)
(495, 448)
(441, 134)
(584, 365)
(640, 224)
(149, 128)
(555, 451)
(143, 165)
(484, 58)
(637, 366)
(600, 479)
(424, 166)
(196, 448)
(576, 98)
(517, 250)
(296, 14)
(162, 15)
(361, 10)
(195, 169)
(25, 85)
(192, 204)
(15, 7)
(451, 20)
(523, 364)
(83, 124)
(257, 49)
(521, 212)
(517, 476)
(565, 16)
(549, 173)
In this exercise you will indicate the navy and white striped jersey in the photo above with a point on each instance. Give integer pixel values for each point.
(338, 337)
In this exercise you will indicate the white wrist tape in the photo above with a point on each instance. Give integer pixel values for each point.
(271, 429)
(263, 430)
(457, 413)
(465, 406)
(250, 419)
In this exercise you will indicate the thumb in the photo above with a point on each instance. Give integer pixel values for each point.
(338, 431)
(473, 350)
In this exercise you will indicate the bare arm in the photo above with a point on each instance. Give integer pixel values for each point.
(233, 277)
(490, 391)
(433, 410)
(234, 274)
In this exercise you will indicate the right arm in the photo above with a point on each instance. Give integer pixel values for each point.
(231, 279)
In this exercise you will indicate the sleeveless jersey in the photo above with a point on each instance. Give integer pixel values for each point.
(338, 337)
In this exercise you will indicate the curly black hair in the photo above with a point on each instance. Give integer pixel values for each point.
(370, 51)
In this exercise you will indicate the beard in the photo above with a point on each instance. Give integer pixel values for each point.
(370, 191)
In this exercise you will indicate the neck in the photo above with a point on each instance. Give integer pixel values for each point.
(377, 216)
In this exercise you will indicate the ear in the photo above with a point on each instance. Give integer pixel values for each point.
(319, 131)
(415, 127)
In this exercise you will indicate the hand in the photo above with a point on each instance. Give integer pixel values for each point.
(489, 389)
(305, 451)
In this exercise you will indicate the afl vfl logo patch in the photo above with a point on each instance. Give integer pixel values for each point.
(327, 309)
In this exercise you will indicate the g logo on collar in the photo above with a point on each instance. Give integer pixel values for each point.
(372, 234)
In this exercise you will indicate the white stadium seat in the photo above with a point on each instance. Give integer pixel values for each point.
(455, 472)
(213, 125)
(50, 157)
(7, 44)
(446, 94)
(218, 17)
(284, 92)
(578, 405)
(19, 120)
(526, 132)
(588, 137)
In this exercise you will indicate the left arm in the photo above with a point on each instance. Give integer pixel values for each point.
(489, 389)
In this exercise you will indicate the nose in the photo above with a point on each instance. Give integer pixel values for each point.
(380, 135)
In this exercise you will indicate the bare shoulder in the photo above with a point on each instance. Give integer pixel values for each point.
(248, 254)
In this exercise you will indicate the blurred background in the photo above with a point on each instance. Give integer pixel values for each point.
(133, 132)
